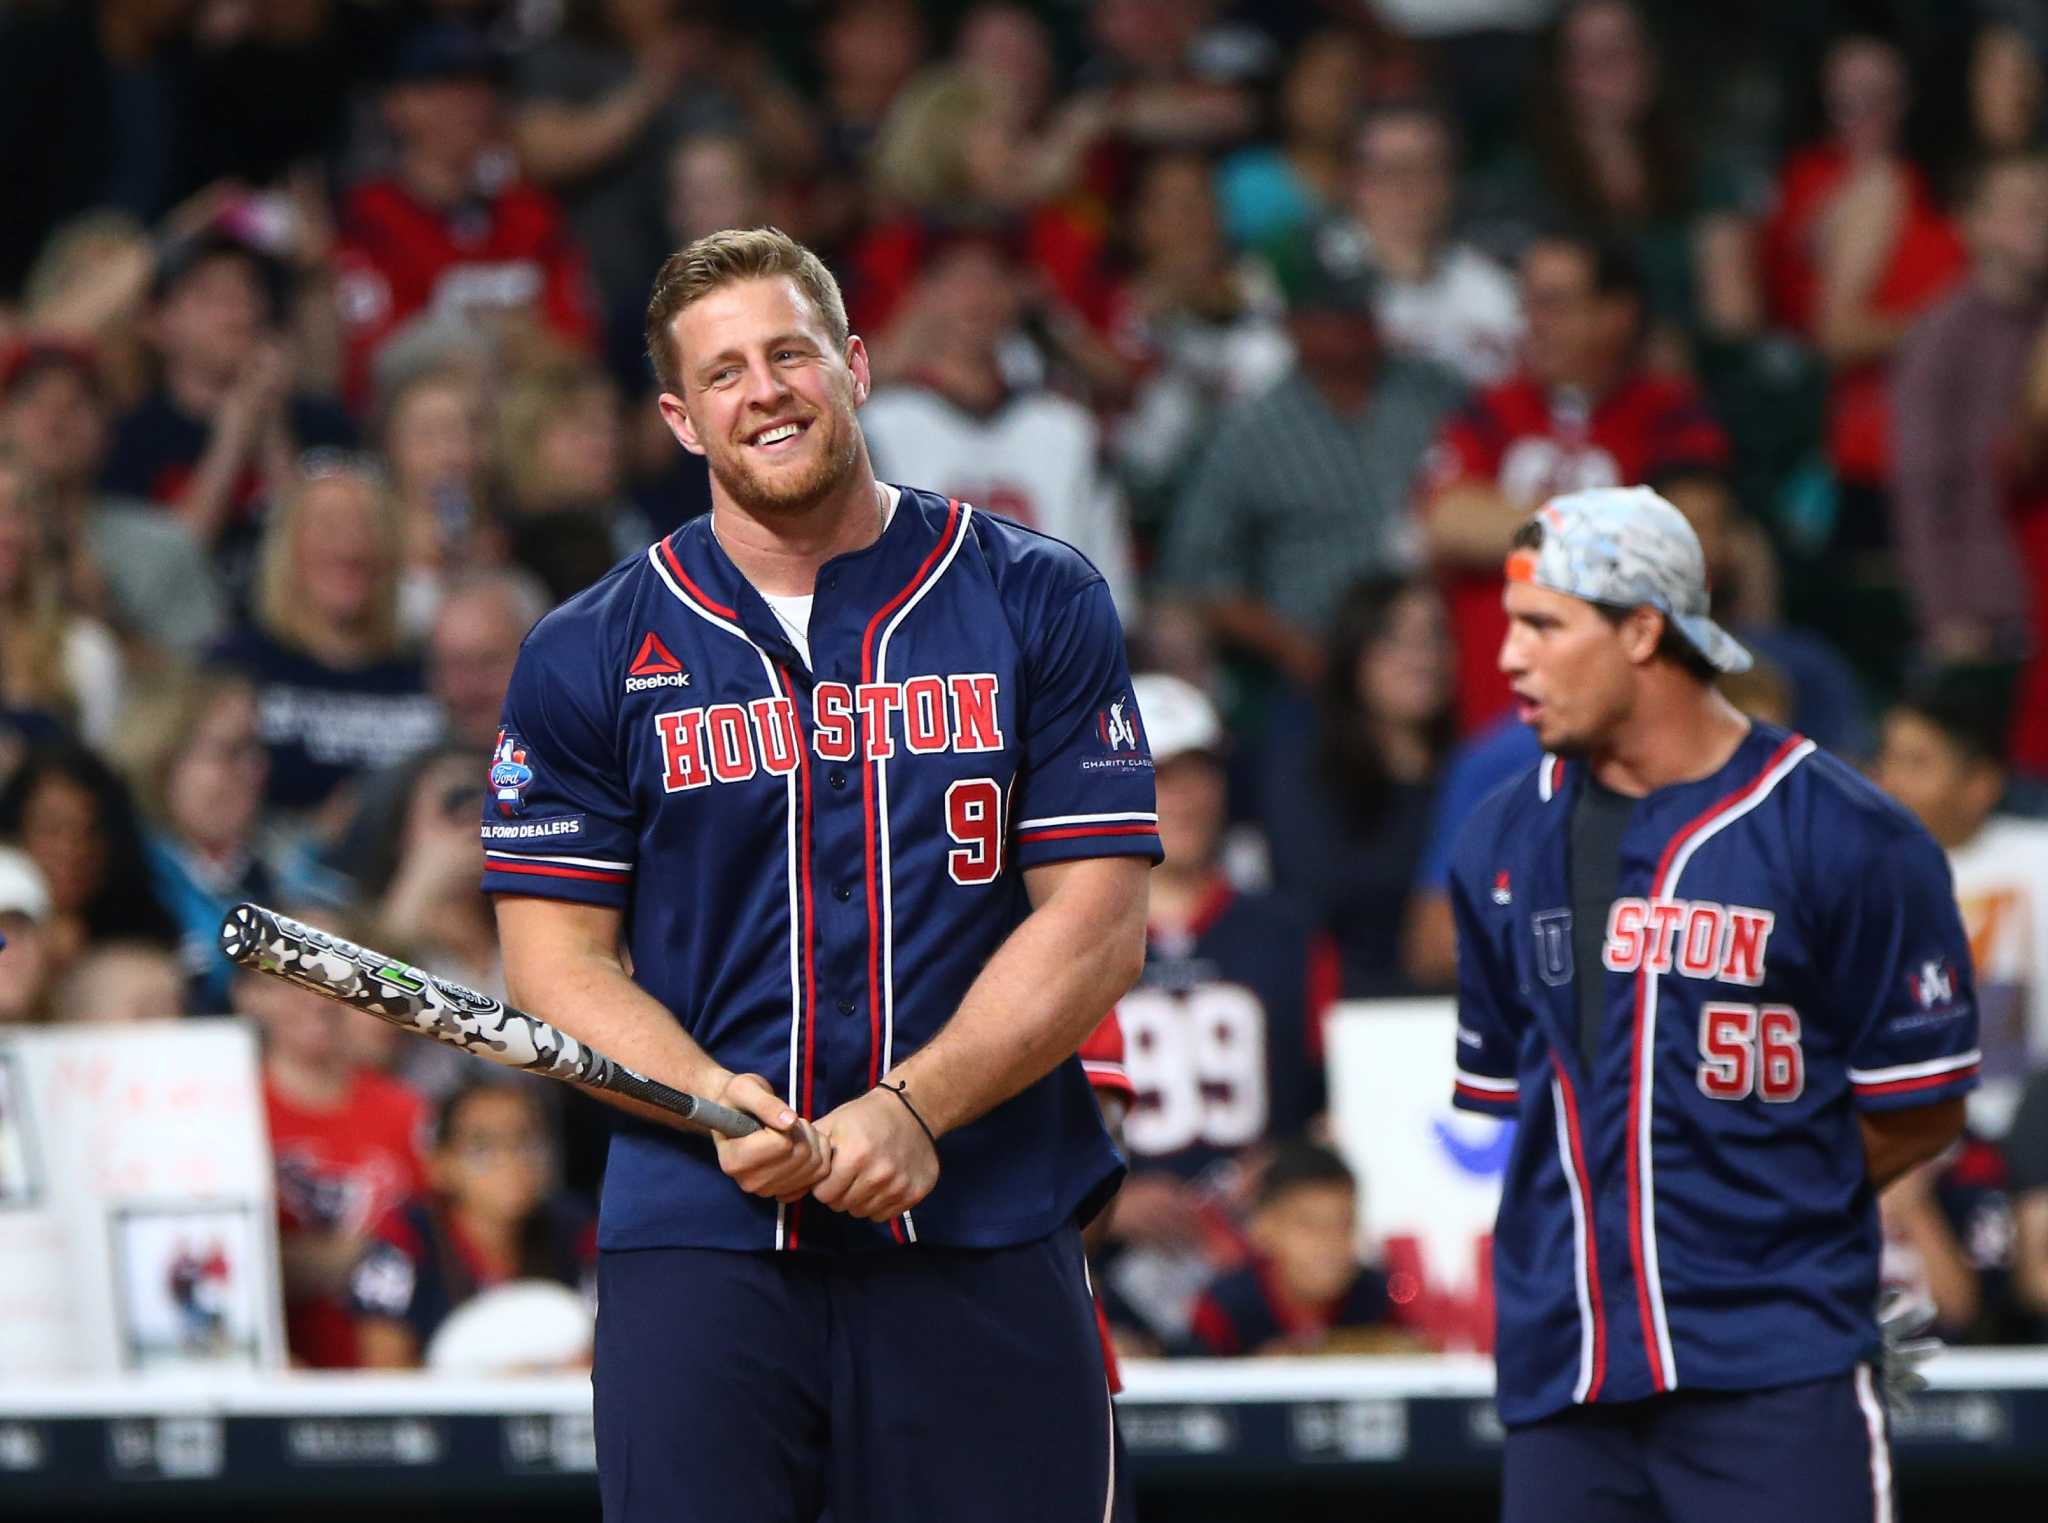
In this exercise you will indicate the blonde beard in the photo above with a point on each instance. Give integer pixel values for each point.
(751, 493)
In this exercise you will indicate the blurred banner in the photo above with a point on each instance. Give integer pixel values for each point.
(137, 1225)
(1430, 1174)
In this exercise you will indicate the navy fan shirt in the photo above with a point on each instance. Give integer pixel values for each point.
(815, 863)
(1693, 1209)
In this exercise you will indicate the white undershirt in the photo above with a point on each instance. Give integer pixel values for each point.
(793, 610)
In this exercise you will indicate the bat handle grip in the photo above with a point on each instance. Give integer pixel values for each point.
(720, 1118)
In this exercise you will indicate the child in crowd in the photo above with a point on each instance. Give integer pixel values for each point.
(1304, 1288)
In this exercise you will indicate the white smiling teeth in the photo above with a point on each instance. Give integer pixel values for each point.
(777, 435)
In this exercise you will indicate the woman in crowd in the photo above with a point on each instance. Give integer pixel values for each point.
(1269, 194)
(1346, 788)
(193, 751)
(338, 690)
(561, 450)
(490, 1216)
(73, 816)
(53, 660)
(435, 443)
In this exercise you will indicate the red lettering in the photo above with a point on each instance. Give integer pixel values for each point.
(1624, 950)
(834, 714)
(1727, 1051)
(924, 714)
(1662, 918)
(1748, 936)
(732, 746)
(875, 700)
(682, 749)
(775, 734)
(975, 723)
(1699, 951)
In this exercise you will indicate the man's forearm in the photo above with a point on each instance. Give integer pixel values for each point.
(1469, 524)
(1041, 994)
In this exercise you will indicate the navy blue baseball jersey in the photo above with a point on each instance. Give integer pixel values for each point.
(1693, 1210)
(815, 860)
(1220, 1035)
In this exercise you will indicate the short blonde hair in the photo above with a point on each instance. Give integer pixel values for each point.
(280, 602)
(724, 258)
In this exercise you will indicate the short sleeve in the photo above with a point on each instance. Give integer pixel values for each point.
(558, 814)
(1084, 788)
(1487, 1078)
(1902, 964)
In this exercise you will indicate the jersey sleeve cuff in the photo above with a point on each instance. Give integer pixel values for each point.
(1488, 1096)
(585, 880)
(1906, 1085)
(1061, 841)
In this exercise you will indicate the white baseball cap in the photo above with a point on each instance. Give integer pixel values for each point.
(1627, 547)
(1178, 716)
(23, 889)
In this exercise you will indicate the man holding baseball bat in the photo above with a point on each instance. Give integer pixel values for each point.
(834, 807)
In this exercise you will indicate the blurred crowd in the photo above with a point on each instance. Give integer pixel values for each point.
(321, 378)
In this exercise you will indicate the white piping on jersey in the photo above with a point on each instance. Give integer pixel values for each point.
(796, 987)
(1880, 1447)
(1545, 771)
(1647, 1057)
(1491, 1086)
(881, 766)
(1915, 1070)
(1087, 819)
(1571, 1185)
(534, 856)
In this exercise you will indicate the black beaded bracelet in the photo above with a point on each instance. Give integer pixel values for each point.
(902, 1092)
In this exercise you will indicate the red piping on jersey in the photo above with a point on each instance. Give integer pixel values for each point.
(1660, 1378)
(1507, 1097)
(549, 870)
(1571, 1126)
(1556, 774)
(809, 1028)
(668, 554)
(1032, 837)
(867, 798)
(1925, 1081)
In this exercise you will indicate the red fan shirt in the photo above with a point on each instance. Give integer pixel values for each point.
(1533, 443)
(341, 1170)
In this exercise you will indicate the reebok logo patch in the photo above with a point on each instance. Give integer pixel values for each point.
(655, 666)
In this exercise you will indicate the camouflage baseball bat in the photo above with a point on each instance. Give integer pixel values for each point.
(417, 1001)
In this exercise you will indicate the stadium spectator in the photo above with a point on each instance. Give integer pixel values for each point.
(434, 902)
(453, 230)
(867, 52)
(1349, 772)
(53, 659)
(488, 1218)
(337, 690)
(1943, 758)
(1960, 373)
(1309, 486)
(2008, 86)
(1200, 327)
(1854, 250)
(1439, 296)
(346, 1143)
(1222, 1038)
(1304, 1290)
(192, 748)
(959, 425)
(27, 968)
(123, 982)
(1270, 193)
(600, 106)
(1948, 1238)
(561, 450)
(1610, 151)
(143, 566)
(215, 440)
(433, 432)
(1175, 77)
(71, 813)
(1583, 411)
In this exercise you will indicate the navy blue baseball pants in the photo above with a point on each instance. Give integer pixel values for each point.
(927, 1385)
(1810, 1453)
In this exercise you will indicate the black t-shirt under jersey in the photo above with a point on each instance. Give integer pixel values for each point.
(1599, 818)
